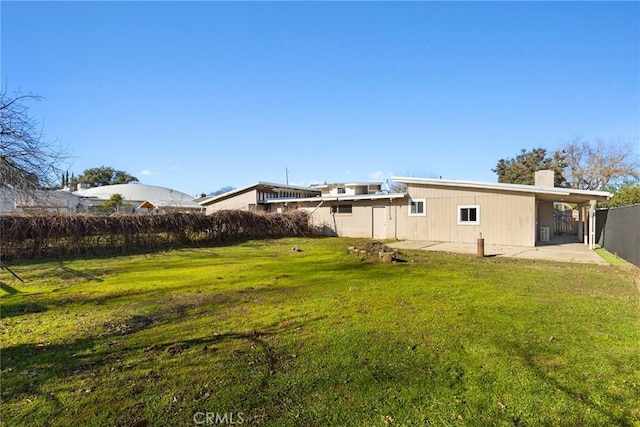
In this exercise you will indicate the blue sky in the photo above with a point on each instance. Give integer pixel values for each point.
(201, 95)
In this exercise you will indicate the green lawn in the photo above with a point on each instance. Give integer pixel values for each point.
(259, 334)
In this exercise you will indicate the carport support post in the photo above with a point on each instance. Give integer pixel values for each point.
(592, 228)
(481, 246)
(580, 225)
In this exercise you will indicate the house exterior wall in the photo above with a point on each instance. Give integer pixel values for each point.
(545, 217)
(350, 189)
(236, 202)
(359, 223)
(505, 218)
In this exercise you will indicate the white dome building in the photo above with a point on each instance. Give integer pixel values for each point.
(142, 197)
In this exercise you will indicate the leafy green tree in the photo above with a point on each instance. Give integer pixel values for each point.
(104, 175)
(626, 195)
(65, 179)
(113, 204)
(522, 168)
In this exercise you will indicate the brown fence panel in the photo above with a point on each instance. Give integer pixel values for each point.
(564, 223)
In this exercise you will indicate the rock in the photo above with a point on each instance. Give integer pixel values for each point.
(387, 257)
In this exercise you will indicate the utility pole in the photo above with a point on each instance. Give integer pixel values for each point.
(287, 173)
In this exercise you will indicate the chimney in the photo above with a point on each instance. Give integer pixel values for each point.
(544, 178)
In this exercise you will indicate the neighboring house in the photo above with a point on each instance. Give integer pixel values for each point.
(430, 209)
(345, 209)
(139, 198)
(255, 197)
(361, 209)
(39, 201)
(163, 206)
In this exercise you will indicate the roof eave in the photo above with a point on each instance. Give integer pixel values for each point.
(223, 196)
(556, 191)
(339, 198)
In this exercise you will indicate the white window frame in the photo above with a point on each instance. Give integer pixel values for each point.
(424, 207)
(461, 207)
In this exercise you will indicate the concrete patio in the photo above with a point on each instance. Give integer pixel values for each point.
(559, 250)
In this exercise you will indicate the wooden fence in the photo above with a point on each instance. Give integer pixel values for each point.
(64, 235)
(564, 222)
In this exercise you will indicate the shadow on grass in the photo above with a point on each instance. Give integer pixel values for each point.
(78, 273)
(595, 399)
(110, 252)
(8, 289)
(18, 304)
(27, 367)
(19, 309)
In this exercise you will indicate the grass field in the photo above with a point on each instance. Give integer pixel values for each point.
(259, 334)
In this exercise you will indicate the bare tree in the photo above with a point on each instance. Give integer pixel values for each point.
(398, 187)
(595, 165)
(223, 190)
(28, 161)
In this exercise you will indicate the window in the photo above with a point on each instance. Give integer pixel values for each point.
(469, 215)
(342, 209)
(342, 190)
(417, 207)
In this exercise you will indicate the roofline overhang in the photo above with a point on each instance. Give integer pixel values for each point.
(345, 184)
(339, 198)
(520, 188)
(250, 187)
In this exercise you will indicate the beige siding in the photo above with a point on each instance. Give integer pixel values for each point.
(545, 216)
(359, 223)
(239, 201)
(505, 218)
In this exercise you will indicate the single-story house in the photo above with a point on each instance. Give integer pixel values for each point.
(255, 197)
(505, 214)
(430, 209)
(359, 209)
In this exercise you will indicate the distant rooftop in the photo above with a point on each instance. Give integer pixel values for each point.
(136, 192)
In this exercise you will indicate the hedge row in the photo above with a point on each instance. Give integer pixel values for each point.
(61, 235)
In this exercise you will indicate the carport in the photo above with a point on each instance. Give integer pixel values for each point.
(585, 203)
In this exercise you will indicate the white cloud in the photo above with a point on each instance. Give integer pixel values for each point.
(146, 172)
(380, 175)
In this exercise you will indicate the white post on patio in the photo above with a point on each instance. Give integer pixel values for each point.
(582, 237)
(592, 228)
